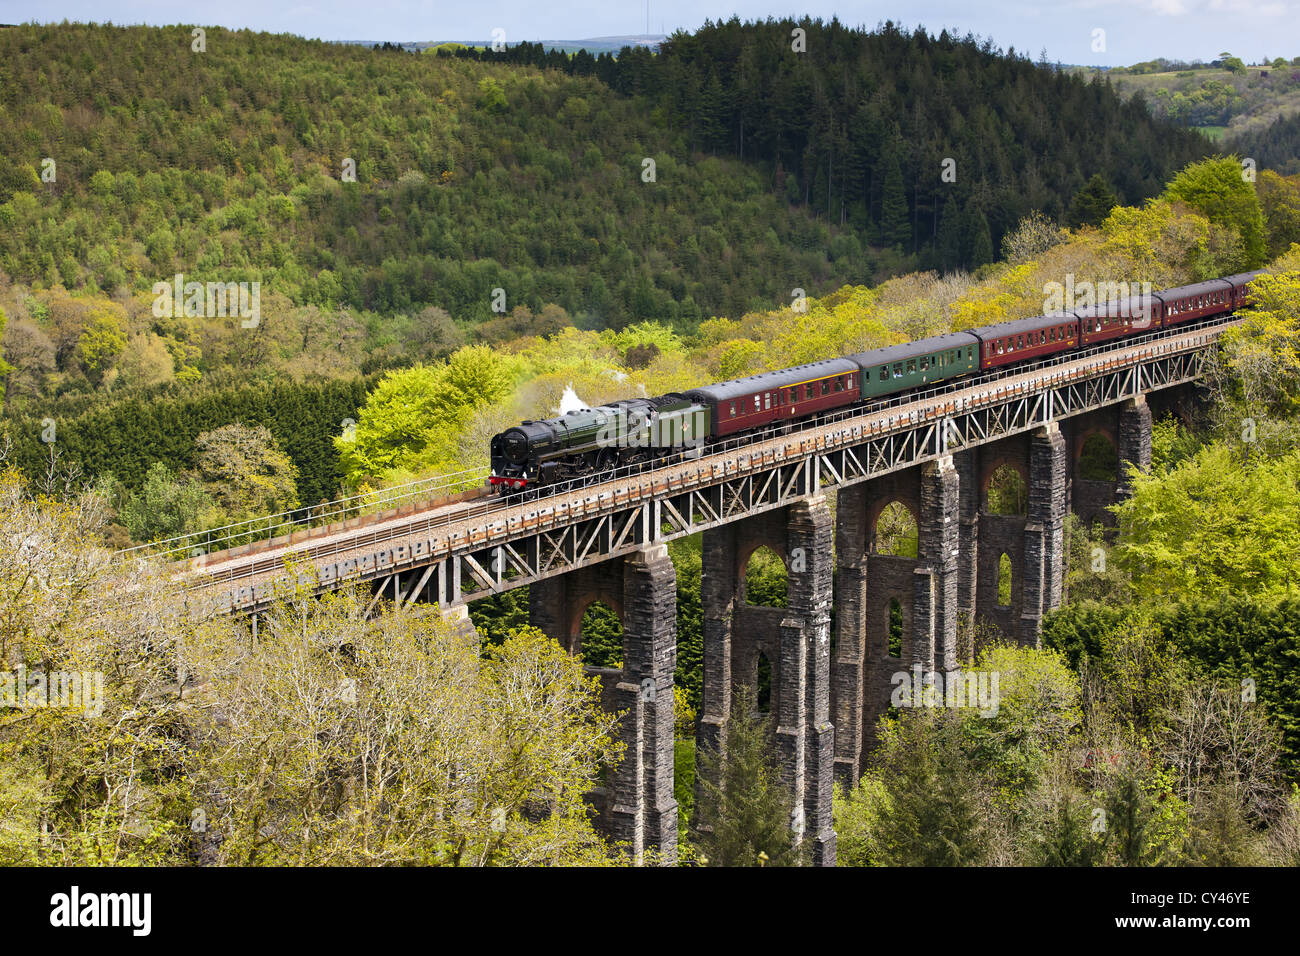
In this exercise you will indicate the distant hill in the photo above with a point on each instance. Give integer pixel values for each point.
(1222, 103)
(932, 146)
(228, 165)
(527, 170)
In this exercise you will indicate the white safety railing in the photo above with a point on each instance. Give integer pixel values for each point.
(269, 526)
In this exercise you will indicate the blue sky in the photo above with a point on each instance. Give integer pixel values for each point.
(1134, 29)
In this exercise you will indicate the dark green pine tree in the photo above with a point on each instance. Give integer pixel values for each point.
(895, 225)
(743, 817)
(932, 818)
(948, 245)
(1093, 203)
(980, 239)
(712, 121)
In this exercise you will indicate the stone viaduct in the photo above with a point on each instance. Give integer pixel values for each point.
(827, 690)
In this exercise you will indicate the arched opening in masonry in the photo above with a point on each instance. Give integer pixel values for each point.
(895, 531)
(763, 683)
(1004, 580)
(1098, 459)
(1006, 493)
(602, 636)
(895, 628)
(766, 580)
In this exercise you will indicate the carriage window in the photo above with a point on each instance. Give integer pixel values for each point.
(911, 366)
(848, 381)
(758, 404)
(1020, 341)
(925, 364)
(767, 400)
(733, 409)
(1000, 346)
(898, 370)
(884, 373)
(826, 387)
(839, 385)
(809, 390)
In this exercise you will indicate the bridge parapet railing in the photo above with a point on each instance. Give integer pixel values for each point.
(272, 531)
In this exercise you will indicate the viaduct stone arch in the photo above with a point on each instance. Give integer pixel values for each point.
(799, 635)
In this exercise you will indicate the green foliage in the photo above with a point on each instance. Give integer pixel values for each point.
(166, 507)
(1038, 709)
(1231, 639)
(1007, 494)
(857, 822)
(1275, 146)
(5, 367)
(928, 807)
(244, 471)
(1213, 527)
(1171, 444)
(101, 341)
(496, 615)
(602, 637)
(1216, 189)
(689, 676)
(1256, 380)
(1093, 203)
(744, 818)
(766, 580)
(126, 437)
(1098, 460)
(412, 419)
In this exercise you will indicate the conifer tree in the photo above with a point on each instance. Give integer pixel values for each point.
(743, 814)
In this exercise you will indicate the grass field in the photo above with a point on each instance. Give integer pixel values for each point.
(1205, 98)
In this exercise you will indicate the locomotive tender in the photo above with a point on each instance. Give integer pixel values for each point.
(640, 430)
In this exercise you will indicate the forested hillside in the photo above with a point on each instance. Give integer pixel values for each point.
(229, 163)
(1276, 146)
(857, 127)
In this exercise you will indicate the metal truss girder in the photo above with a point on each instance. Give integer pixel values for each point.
(565, 534)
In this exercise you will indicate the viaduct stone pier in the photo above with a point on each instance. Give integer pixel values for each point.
(638, 808)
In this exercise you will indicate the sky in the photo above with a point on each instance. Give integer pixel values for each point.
(1134, 30)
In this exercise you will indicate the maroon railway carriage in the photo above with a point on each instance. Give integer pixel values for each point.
(1131, 315)
(1190, 302)
(1240, 297)
(745, 403)
(1020, 340)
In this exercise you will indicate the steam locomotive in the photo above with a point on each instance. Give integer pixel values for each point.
(591, 441)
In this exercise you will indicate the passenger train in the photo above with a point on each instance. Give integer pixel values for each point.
(596, 440)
